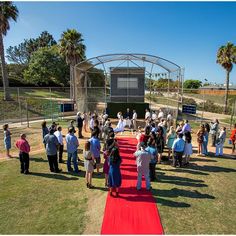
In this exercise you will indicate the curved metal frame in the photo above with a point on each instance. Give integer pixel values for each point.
(127, 56)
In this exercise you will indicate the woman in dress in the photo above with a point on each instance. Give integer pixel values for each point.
(171, 136)
(188, 148)
(205, 139)
(121, 124)
(110, 143)
(7, 139)
(160, 143)
(200, 138)
(88, 164)
(86, 120)
(114, 180)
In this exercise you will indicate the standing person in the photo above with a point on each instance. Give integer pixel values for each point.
(171, 136)
(72, 144)
(7, 139)
(233, 138)
(134, 120)
(95, 148)
(186, 127)
(45, 130)
(51, 142)
(71, 125)
(143, 159)
(200, 134)
(154, 116)
(114, 176)
(59, 136)
(147, 114)
(86, 119)
(151, 148)
(24, 149)
(220, 142)
(205, 139)
(177, 150)
(160, 114)
(169, 121)
(79, 124)
(128, 116)
(188, 148)
(214, 131)
(88, 164)
(91, 123)
(160, 143)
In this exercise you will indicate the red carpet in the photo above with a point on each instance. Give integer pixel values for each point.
(133, 212)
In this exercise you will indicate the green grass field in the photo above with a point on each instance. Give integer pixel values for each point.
(199, 199)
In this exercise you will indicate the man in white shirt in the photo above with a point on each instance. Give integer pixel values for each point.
(91, 124)
(59, 136)
(161, 114)
(147, 114)
(134, 120)
(154, 116)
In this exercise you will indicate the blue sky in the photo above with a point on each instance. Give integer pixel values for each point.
(187, 33)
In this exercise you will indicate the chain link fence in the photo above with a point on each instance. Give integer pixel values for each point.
(27, 104)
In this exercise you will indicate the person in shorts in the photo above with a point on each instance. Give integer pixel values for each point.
(95, 147)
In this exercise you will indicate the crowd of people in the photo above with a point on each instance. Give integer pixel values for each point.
(157, 134)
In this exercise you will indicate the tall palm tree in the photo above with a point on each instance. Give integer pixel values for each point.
(73, 49)
(8, 12)
(226, 56)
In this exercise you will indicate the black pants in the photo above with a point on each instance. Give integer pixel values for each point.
(177, 158)
(24, 162)
(152, 168)
(61, 148)
(213, 140)
(53, 164)
(80, 132)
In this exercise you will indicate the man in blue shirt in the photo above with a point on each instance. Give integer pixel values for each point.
(95, 148)
(72, 144)
(178, 149)
(51, 144)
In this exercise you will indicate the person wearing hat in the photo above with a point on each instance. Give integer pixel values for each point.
(79, 122)
(143, 159)
(72, 144)
(51, 142)
(24, 149)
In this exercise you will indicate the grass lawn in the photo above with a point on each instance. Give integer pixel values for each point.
(199, 199)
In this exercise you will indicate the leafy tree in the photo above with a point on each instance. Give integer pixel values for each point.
(226, 57)
(46, 67)
(73, 49)
(8, 12)
(192, 84)
(21, 54)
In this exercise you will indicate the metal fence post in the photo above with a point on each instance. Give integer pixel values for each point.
(27, 114)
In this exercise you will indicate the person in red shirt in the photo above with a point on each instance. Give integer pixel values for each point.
(233, 138)
(24, 149)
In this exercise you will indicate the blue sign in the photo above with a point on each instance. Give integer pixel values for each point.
(189, 109)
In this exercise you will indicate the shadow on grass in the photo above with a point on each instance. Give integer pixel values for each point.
(202, 159)
(53, 176)
(184, 170)
(181, 181)
(175, 192)
(38, 159)
(210, 168)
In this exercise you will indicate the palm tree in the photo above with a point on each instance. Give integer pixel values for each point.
(226, 56)
(8, 11)
(73, 49)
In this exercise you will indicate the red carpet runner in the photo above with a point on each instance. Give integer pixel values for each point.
(133, 212)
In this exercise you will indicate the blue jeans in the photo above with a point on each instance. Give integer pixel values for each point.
(147, 179)
(74, 159)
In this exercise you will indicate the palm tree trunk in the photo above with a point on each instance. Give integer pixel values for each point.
(226, 92)
(5, 80)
